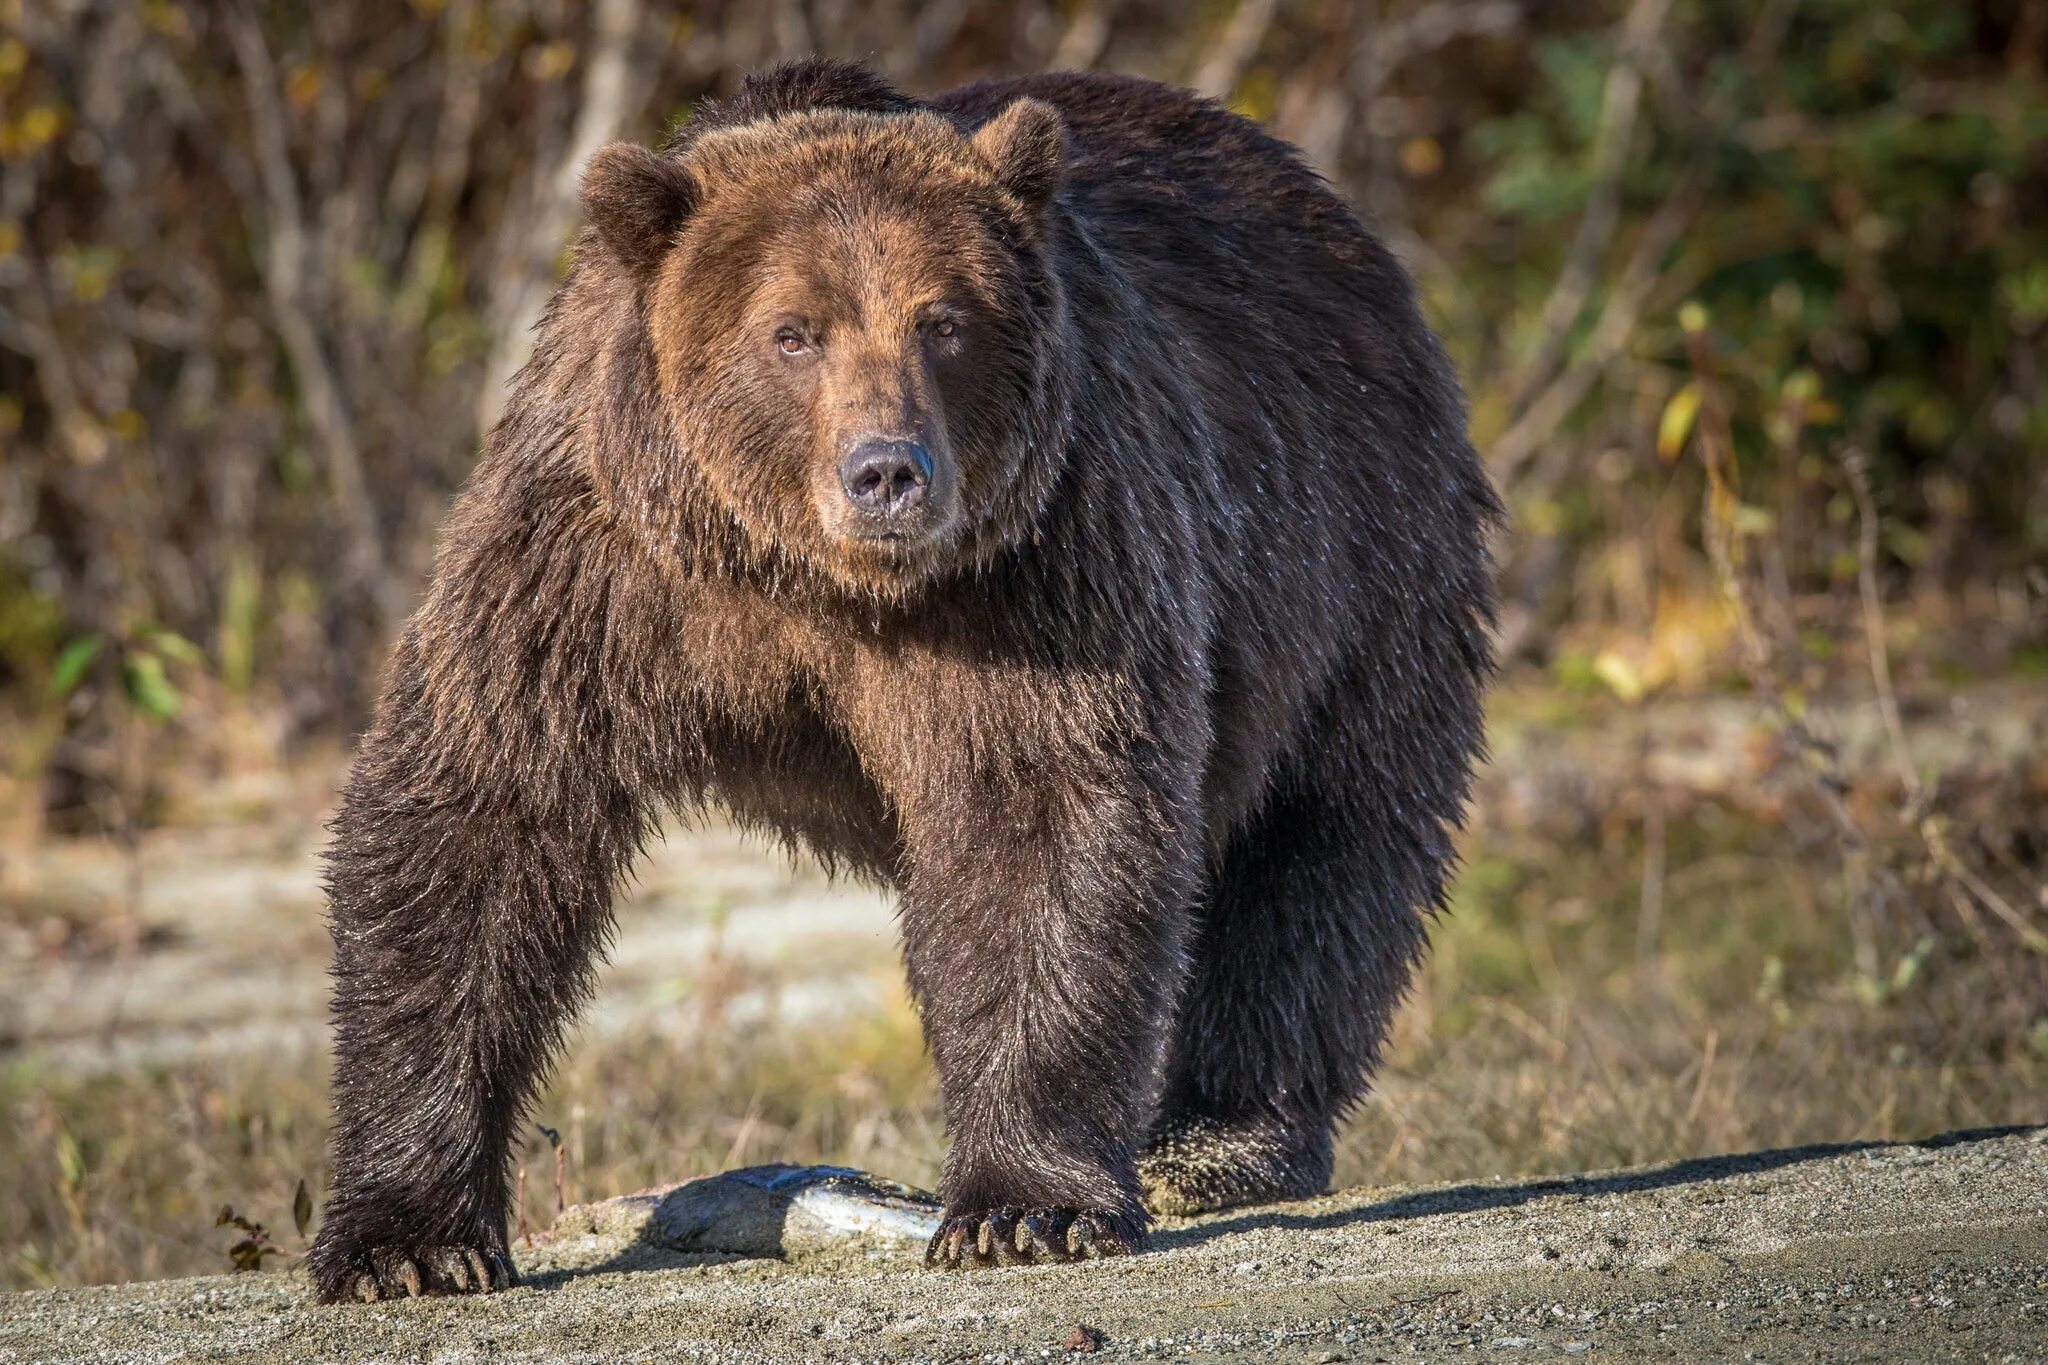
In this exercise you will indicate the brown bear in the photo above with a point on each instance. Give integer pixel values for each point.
(1044, 498)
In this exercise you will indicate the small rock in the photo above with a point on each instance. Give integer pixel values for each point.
(1574, 1348)
(1084, 1340)
(1513, 1343)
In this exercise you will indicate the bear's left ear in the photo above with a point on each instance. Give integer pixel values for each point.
(637, 199)
(1025, 145)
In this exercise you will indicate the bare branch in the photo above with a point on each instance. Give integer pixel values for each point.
(1960, 874)
(611, 88)
(1380, 50)
(1539, 418)
(1235, 48)
(283, 267)
(931, 32)
(1544, 414)
(1619, 104)
(1086, 36)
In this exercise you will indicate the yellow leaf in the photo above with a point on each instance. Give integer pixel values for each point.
(302, 84)
(1676, 423)
(166, 18)
(1543, 518)
(551, 61)
(1619, 674)
(1422, 157)
(40, 125)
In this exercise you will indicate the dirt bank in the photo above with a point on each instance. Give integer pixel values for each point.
(1907, 1252)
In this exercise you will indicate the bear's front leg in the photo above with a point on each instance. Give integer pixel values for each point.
(1043, 927)
(471, 879)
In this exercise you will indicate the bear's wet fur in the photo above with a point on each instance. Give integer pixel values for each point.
(1155, 694)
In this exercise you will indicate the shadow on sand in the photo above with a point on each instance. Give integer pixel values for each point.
(1473, 1198)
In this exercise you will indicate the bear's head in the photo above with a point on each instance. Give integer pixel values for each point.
(854, 328)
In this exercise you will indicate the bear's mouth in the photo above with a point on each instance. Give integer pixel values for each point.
(892, 557)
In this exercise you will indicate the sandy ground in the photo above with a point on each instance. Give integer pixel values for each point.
(1937, 1251)
(238, 953)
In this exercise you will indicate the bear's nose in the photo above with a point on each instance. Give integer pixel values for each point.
(886, 478)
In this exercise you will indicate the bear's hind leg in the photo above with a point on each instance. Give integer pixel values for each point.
(1314, 923)
(1195, 1164)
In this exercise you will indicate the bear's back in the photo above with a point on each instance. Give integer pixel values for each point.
(1341, 510)
(1202, 205)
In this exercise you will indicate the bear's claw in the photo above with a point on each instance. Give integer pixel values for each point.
(414, 1273)
(1034, 1236)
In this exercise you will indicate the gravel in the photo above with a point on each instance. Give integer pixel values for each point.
(1930, 1251)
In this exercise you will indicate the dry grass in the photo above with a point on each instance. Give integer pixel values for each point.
(1546, 1040)
(121, 1176)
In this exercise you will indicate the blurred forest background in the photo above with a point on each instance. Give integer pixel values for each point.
(1750, 297)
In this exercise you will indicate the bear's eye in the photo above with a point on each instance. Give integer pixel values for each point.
(945, 327)
(791, 342)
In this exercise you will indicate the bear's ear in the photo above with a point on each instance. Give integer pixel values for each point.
(637, 199)
(1025, 145)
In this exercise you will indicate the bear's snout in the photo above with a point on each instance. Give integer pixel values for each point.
(886, 479)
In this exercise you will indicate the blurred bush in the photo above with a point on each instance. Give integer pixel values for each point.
(265, 268)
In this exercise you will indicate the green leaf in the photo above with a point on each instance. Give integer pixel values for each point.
(240, 602)
(1751, 520)
(73, 664)
(147, 689)
(302, 1208)
(1910, 965)
(70, 1160)
(174, 646)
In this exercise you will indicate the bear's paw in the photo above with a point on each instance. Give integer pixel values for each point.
(391, 1272)
(1032, 1236)
(1200, 1165)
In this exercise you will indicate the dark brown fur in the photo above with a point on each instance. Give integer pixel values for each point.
(1159, 715)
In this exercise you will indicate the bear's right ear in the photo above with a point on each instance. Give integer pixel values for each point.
(637, 199)
(1025, 146)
